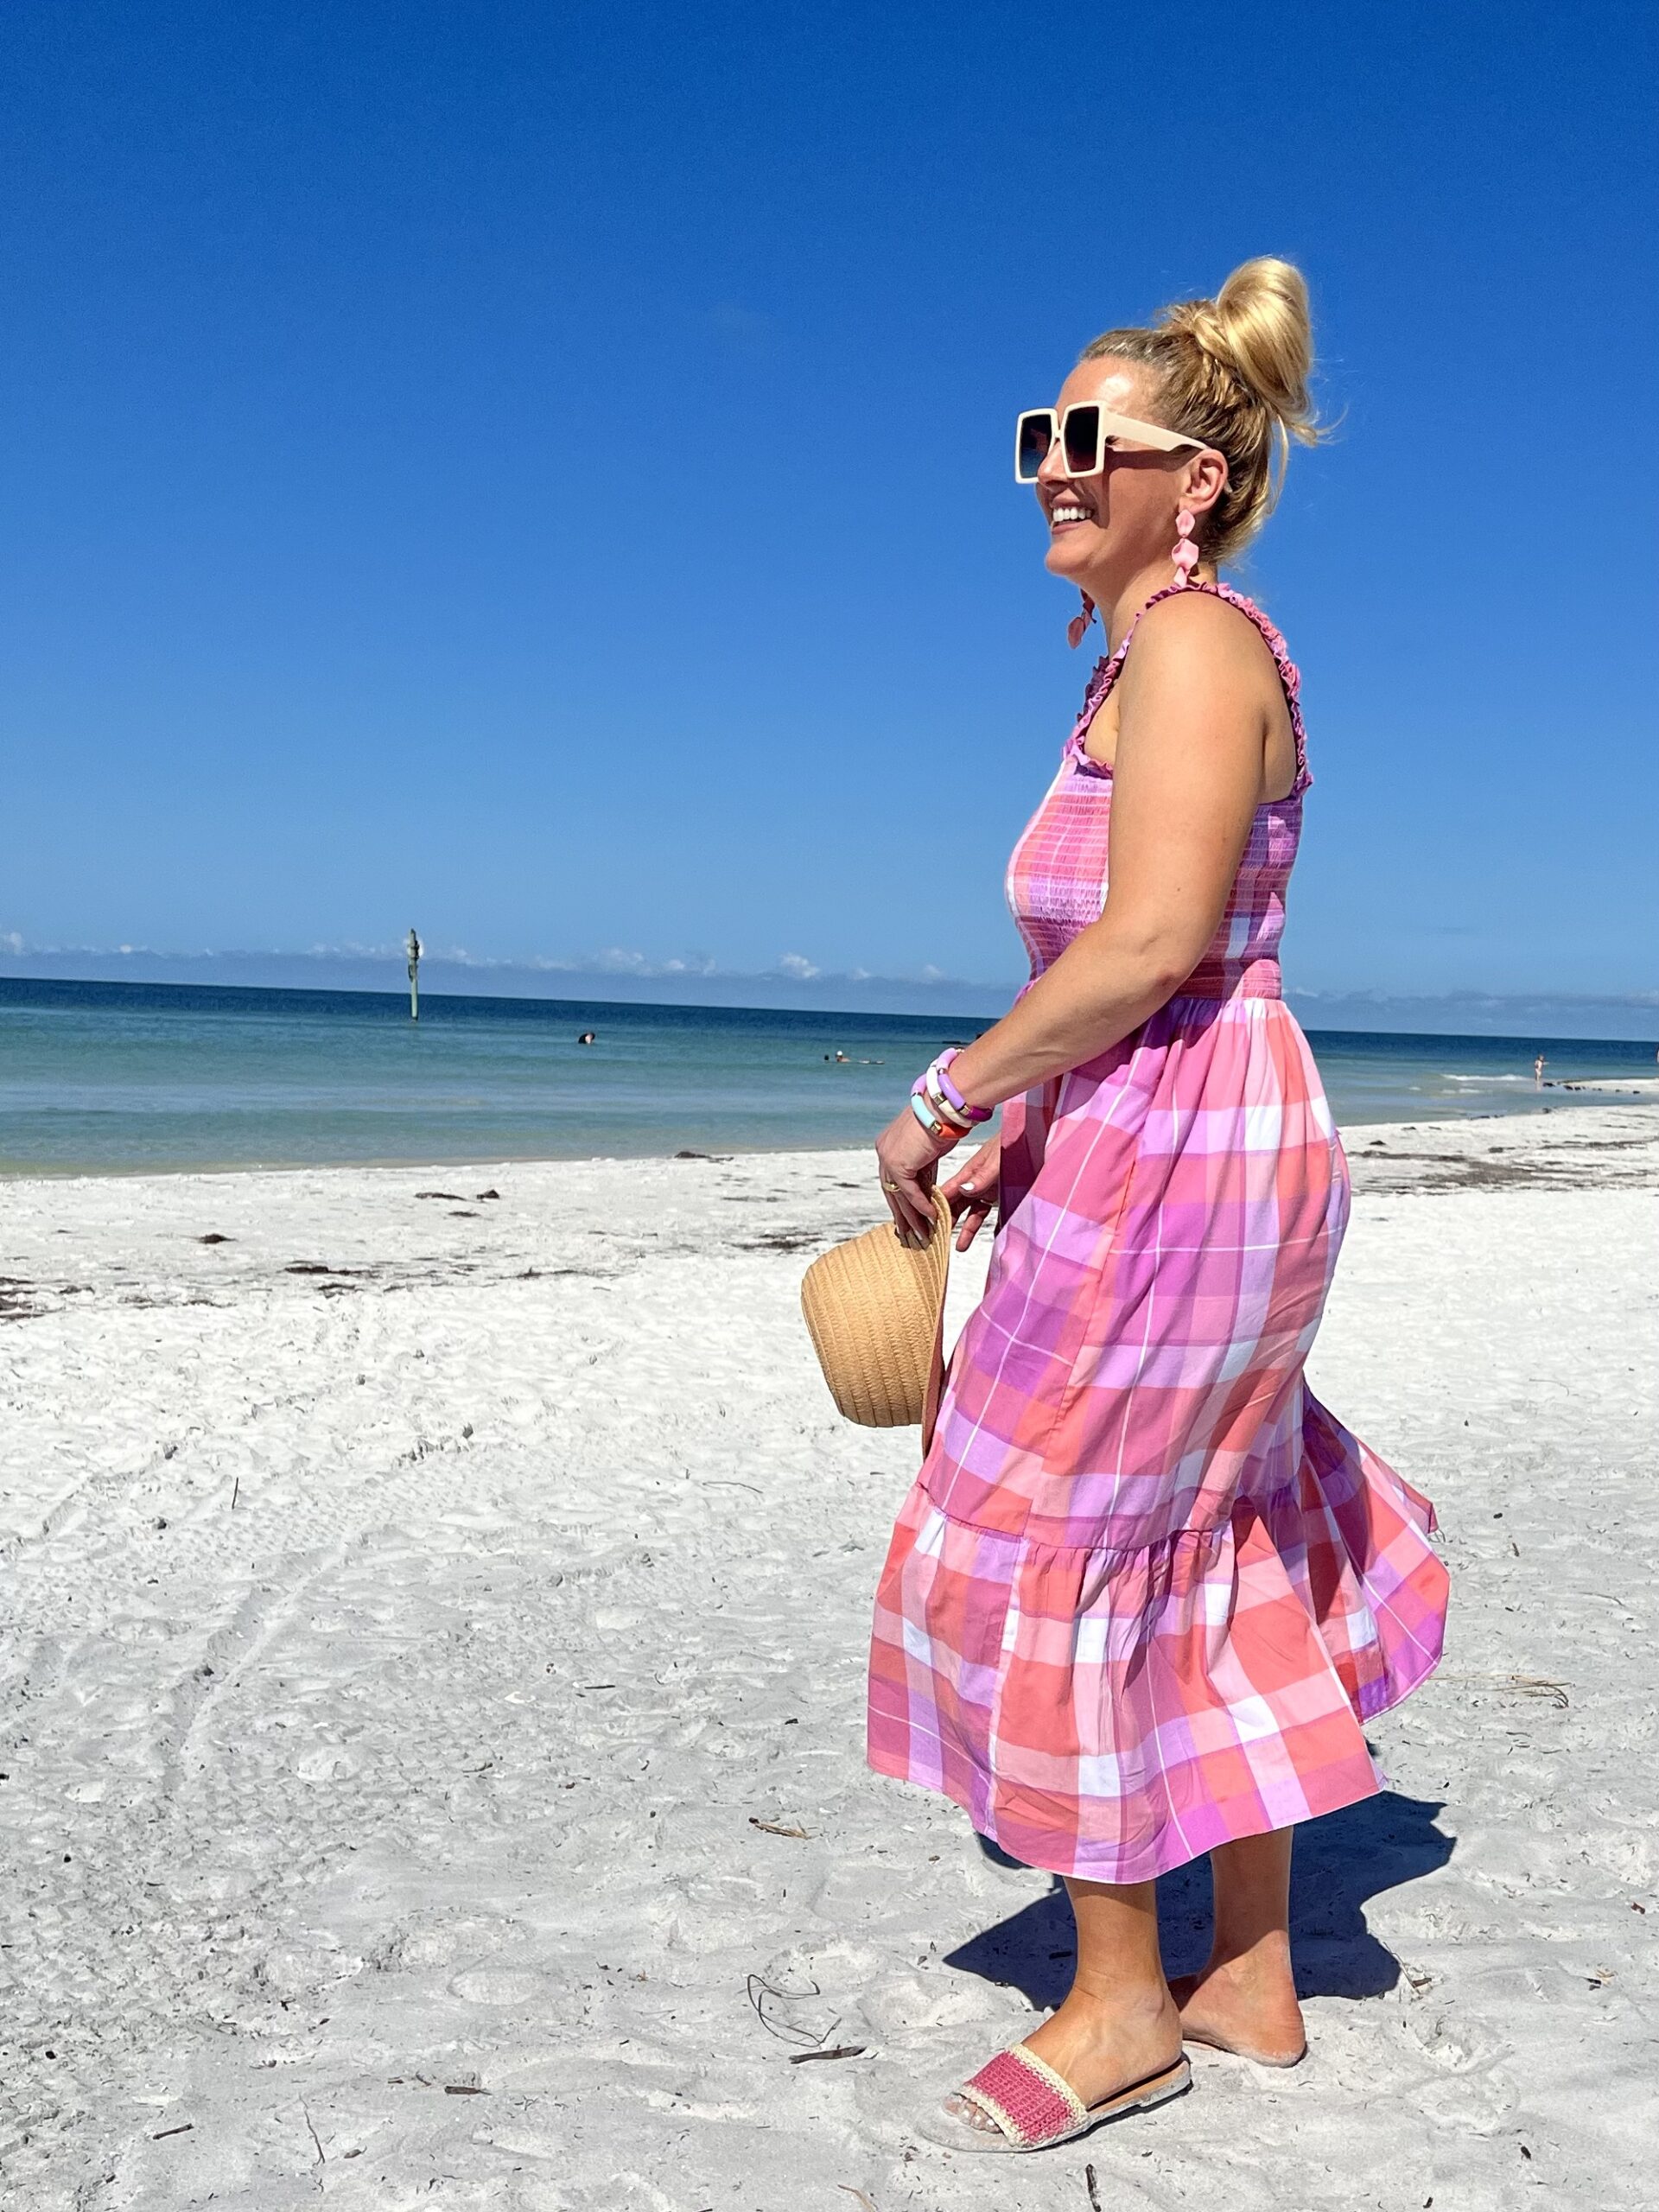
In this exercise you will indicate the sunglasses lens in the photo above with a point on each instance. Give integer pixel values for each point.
(1036, 434)
(1081, 440)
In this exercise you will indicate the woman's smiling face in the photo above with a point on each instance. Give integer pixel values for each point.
(1123, 518)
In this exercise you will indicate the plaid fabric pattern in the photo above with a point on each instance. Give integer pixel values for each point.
(1145, 1589)
(1056, 879)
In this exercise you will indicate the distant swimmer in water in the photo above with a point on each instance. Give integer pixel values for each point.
(1538, 1067)
(586, 1038)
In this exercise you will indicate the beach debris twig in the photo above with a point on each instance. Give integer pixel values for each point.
(777, 1827)
(235, 1491)
(841, 2050)
(759, 1990)
(322, 2156)
(183, 2128)
(1094, 2188)
(1517, 1685)
(1535, 1686)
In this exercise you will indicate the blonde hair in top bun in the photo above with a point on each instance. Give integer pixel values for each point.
(1234, 371)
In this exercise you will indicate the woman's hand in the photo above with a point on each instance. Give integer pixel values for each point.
(908, 1157)
(972, 1191)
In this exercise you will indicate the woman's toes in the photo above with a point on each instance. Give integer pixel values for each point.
(958, 2108)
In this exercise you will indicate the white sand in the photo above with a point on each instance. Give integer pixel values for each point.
(397, 1658)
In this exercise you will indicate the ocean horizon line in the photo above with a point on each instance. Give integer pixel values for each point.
(1540, 1017)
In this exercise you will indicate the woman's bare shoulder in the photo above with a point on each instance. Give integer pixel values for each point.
(1196, 643)
(1201, 623)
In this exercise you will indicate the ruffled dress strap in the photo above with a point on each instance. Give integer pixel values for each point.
(1107, 671)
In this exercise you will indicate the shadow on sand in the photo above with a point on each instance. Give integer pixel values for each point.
(1341, 1862)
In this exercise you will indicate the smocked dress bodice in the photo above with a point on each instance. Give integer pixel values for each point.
(1057, 878)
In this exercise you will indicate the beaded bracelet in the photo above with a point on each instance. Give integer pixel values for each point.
(924, 1090)
(935, 1128)
(938, 1079)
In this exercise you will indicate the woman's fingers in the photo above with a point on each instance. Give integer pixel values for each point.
(914, 1208)
(890, 1192)
(975, 1206)
(908, 1199)
(909, 1165)
(971, 1222)
(907, 1202)
(972, 1191)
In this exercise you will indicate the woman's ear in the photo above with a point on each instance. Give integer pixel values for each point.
(1204, 477)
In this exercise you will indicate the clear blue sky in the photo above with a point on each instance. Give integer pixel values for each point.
(542, 471)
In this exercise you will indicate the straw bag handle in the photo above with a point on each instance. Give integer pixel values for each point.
(937, 1370)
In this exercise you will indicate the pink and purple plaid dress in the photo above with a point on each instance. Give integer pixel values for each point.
(1145, 1589)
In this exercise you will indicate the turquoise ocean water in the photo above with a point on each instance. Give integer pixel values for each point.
(120, 1077)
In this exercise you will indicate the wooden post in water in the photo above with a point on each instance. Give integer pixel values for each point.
(413, 949)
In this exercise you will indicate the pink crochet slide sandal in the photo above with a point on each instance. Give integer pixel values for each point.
(1034, 2108)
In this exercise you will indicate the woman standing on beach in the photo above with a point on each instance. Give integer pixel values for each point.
(1145, 1589)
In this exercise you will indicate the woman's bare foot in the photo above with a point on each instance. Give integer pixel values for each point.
(1098, 2046)
(1247, 2006)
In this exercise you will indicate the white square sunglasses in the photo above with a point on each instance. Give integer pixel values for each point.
(1083, 433)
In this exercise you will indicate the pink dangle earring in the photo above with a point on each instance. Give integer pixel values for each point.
(1186, 555)
(1079, 623)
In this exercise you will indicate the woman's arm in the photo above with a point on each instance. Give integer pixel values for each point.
(1184, 787)
(1187, 780)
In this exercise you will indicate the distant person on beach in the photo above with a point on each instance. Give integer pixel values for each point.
(1538, 1067)
(1147, 1594)
(586, 1037)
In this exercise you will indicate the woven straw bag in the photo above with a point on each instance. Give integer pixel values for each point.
(875, 1311)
